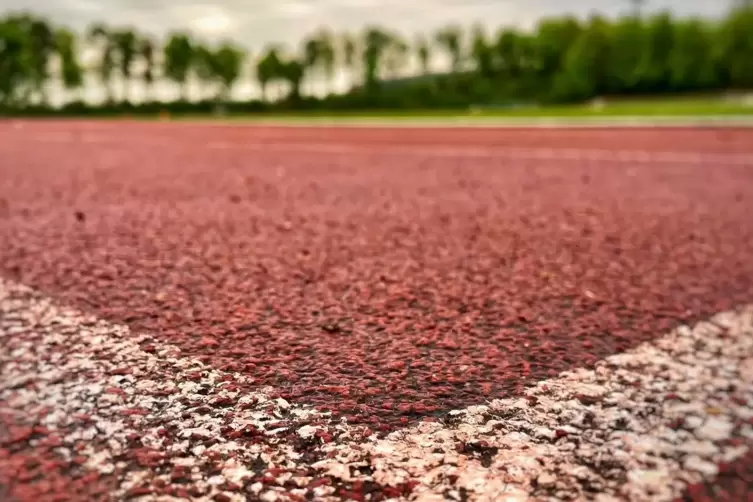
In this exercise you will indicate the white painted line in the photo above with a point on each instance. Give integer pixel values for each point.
(439, 122)
(331, 148)
(491, 122)
(640, 426)
(558, 154)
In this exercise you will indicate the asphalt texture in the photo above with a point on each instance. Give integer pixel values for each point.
(355, 270)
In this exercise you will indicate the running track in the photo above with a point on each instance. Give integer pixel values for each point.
(274, 313)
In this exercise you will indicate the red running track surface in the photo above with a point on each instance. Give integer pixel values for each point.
(376, 283)
(382, 287)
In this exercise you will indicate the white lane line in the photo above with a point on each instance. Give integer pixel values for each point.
(491, 122)
(560, 154)
(640, 426)
(439, 122)
(102, 385)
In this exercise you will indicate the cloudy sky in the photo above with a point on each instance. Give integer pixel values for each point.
(255, 23)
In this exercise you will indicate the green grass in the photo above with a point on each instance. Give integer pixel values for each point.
(651, 109)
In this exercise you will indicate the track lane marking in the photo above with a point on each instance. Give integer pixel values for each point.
(561, 154)
(656, 122)
(640, 426)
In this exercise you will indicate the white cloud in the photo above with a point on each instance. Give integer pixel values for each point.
(211, 21)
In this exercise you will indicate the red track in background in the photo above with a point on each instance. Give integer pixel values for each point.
(382, 288)
(678, 139)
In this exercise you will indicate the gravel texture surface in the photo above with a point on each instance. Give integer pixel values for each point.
(642, 425)
(377, 286)
(382, 277)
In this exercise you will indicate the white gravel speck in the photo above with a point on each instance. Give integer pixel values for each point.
(696, 463)
(715, 429)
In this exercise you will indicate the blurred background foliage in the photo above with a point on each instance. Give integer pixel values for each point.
(562, 60)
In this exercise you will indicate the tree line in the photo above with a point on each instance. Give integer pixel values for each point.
(563, 59)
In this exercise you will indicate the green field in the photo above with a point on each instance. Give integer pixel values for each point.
(657, 110)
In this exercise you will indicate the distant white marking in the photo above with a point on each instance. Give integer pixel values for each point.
(562, 154)
(490, 152)
(640, 426)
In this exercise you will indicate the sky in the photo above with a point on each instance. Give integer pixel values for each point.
(255, 24)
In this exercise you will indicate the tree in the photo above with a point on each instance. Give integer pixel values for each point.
(395, 57)
(585, 72)
(27, 44)
(482, 53)
(311, 57)
(375, 42)
(293, 71)
(653, 68)
(205, 66)
(146, 51)
(179, 56)
(450, 39)
(219, 69)
(269, 69)
(691, 58)
(509, 53)
(349, 56)
(553, 39)
(423, 51)
(319, 56)
(627, 52)
(126, 44)
(15, 61)
(105, 66)
(42, 38)
(327, 56)
(735, 47)
(70, 67)
(228, 61)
